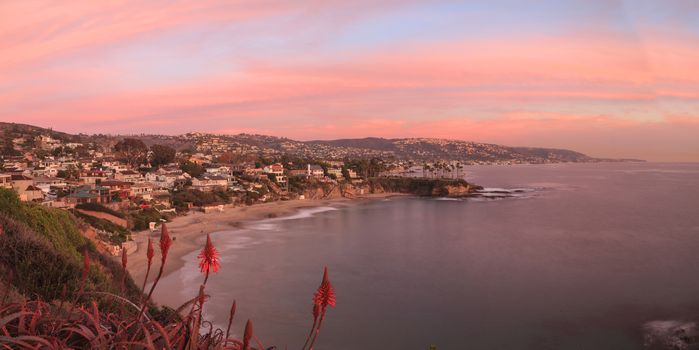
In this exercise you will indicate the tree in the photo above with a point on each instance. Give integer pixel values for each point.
(41, 154)
(161, 155)
(191, 168)
(8, 148)
(132, 151)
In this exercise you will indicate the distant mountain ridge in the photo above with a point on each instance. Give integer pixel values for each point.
(456, 149)
(426, 149)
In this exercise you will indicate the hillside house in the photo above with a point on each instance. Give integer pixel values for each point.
(210, 183)
(20, 183)
(142, 190)
(5, 181)
(129, 176)
(88, 194)
(276, 169)
(91, 177)
(118, 190)
(315, 171)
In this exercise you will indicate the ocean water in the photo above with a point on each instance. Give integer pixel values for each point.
(572, 256)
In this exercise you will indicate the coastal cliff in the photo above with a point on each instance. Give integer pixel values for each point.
(414, 186)
(422, 187)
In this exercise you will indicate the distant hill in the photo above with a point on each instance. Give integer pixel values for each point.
(428, 148)
(10, 129)
(421, 149)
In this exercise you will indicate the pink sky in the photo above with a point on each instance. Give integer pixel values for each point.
(609, 78)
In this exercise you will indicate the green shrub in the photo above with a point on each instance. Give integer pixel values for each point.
(43, 247)
(119, 233)
(142, 218)
(199, 198)
(100, 208)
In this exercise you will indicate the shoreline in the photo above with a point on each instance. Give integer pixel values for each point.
(188, 232)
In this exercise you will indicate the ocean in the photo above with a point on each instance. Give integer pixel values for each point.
(562, 256)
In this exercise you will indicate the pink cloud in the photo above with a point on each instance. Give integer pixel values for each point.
(520, 89)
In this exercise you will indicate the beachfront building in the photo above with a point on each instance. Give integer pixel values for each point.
(209, 183)
(142, 190)
(276, 169)
(336, 172)
(315, 171)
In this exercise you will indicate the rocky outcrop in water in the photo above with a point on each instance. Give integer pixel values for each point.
(422, 187)
(670, 335)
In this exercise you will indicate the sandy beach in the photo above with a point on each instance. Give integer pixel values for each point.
(189, 231)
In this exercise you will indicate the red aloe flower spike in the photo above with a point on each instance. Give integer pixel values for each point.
(124, 258)
(230, 320)
(209, 260)
(316, 313)
(247, 335)
(202, 296)
(150, 253)
(325, 295)
(165, 242)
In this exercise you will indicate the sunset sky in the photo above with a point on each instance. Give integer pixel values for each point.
(607, 78)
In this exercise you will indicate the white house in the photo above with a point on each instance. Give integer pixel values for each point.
(129, 176)
(209, 182)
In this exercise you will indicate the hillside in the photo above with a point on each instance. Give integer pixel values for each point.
(41, 252)
(11, 129)
(429, 148)
(417, 149)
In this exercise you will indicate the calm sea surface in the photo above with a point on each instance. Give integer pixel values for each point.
(580, 261)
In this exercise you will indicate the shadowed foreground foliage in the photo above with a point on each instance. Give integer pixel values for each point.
(58, 292)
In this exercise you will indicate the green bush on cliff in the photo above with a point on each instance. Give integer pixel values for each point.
(119, 233)
(199, 198)
(142, 218)
(53, 224)
(416, 186)
(100, 208)
(41, 252)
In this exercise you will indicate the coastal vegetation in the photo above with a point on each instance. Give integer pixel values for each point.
(41, 251)
(422, 186)
(141, 218)
(182, 199)
(100, 208)
(59, 292)
(116, 234)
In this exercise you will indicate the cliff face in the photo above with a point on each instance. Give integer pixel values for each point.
(422, 187)
(325, 192)
(418, 187)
